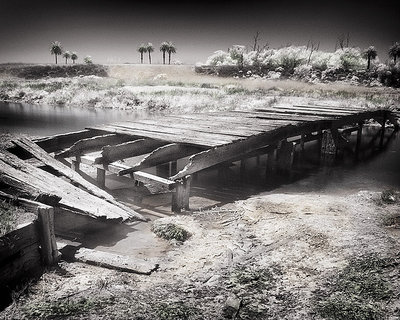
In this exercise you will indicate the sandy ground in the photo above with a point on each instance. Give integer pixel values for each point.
(272, 256)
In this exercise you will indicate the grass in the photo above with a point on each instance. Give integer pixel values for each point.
(359, 292)
(175, 311)
(8, 219)
(170, 231)
(60, 308)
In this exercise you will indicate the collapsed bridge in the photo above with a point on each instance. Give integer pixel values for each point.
(199, 141)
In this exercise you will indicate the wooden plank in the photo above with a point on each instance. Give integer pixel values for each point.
(144, 177)
(93, 144)
(17, 241)
(31, 178)
(317, 109)
(64, 140)
(127, 150)
(115, 261)
(161, 155)
(49, 250)
(283, 116)
(302, 112)
(40, 154)
(25, 203)
(176, 131)
(169, 138)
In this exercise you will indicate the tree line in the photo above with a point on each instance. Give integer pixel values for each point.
(57, 49)
(165, 47)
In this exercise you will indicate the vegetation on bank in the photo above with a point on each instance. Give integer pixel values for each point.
(53, 71)
(307, 63)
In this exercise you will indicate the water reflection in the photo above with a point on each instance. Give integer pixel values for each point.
(48, 120)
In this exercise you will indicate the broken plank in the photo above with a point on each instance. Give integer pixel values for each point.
(115, 261)
(161, 155)
(64, 140)
(32, 181)
(93, 144)
(127, 150)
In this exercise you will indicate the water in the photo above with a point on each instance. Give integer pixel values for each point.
(48, 120)
(374, 170)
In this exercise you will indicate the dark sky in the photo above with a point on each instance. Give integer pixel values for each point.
(110, 31)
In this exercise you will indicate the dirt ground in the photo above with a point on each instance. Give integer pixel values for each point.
(273, 256)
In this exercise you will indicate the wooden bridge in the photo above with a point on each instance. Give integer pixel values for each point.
(205, 140)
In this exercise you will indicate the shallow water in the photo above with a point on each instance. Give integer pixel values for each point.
(48, 120)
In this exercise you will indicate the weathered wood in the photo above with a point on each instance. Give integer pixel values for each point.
(144, 177)
(101, 178)
(92, 144)
(328, 148)
(285, 156)
(30, 178)
(161, 155)
(115, 261)
(128, 150)
(359, 137)
(64, 140)
(49, 250)
(39, 153)
(75, 165)
(180, 198)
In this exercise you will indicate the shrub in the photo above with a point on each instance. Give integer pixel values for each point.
(170, 231)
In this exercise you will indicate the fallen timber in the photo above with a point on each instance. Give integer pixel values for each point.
(201, 141)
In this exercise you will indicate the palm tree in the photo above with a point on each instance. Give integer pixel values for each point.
(171, 49)
(56, 49)
(164, 48)
(394, 51)
(74, 57)
(369, 54)
(142, 49)
(66, 55)
(149, 49)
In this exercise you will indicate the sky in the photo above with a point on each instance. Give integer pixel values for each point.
(111, 31)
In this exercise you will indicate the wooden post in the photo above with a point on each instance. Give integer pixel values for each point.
(75, 164)
(47, 237)
(173, 165)
(270, 166)
(180, 198)
(382, 130)
(328, 147)
(359, 136)
(285, 156)
(101, 178)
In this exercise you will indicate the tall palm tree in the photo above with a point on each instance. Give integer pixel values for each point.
(74, 57)
(164, 48)
(142, 49)
(394, 51)
(149, 49)
(56, 49)
(66, 55)
(370, 54)
(171, 49)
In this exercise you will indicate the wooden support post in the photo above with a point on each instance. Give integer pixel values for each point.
(285, 156)
(48, 243)
(101, 178)
(242, 169)
(173, 165)
(328, 148)
(75, 164)
(180, 198)
(382, 131)
(359, 136)
(271, 161)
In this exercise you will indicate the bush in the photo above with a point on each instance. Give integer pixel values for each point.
(389, 75)
(170, 231)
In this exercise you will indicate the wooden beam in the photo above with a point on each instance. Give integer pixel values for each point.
(64, 140)
(127, 150)
(144, 177)
(161, 155)
(92, 144)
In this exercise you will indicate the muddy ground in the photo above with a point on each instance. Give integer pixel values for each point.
(273, 256)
